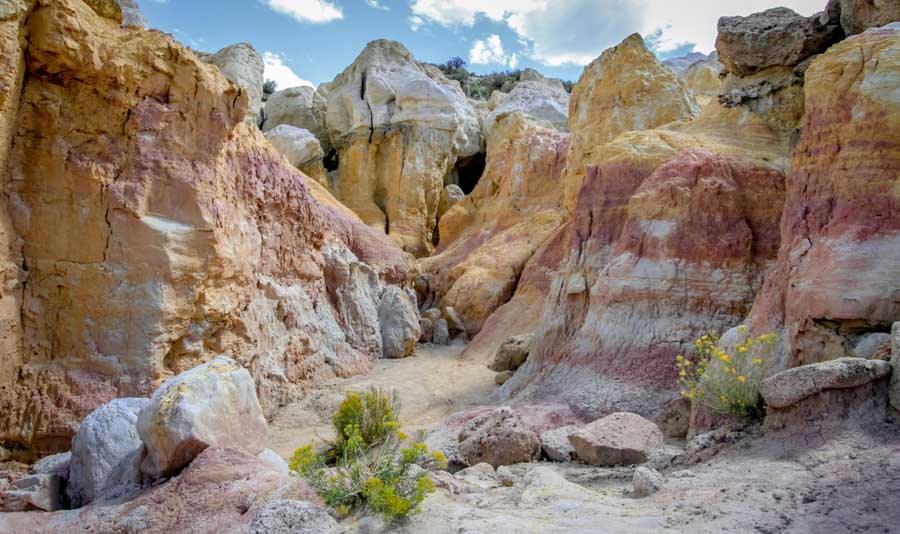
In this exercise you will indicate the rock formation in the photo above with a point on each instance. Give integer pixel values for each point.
(399, 127)
(543, 98)
(241, 64)
(856, 16)
(149, 230)
(302, 150)
(836, 276)
(301, 107)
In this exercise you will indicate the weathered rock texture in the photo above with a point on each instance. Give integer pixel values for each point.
(545, 99)
(617, 439)
(498, 437)
(793, 385)
(774, 37)
(301, 107)
(489, 237)
(836, 275)
(146, 230)
(856, 16)
(704, 79)
(302, 150)
(399, 127)
(241, 64)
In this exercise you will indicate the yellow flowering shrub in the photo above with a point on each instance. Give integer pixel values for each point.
(726, 382)
(375, 472)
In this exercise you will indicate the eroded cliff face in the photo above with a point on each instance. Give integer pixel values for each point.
(837, 274)
(154, 229)
(399, 127)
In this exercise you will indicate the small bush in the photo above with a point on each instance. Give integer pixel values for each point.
(381, 473)
(727, 383)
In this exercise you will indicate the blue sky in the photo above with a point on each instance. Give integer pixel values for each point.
(314, 40)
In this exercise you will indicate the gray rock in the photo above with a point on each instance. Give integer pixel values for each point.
(481, 475)
(40, 491)
(211, 405)
(441, 333)
(274, 460)
(894, 388)
(856, 16)
(543, 99)
(301, 107)
(556, 445)
(454, 322)
(107, 437)
(399, 323)
(243, 66)
(132, 16)
(675, 418)
(426, 330)
(793, 385)
(434, 314)
(646, 482)
(450, 196)
(499, 437)
(874, 346)
(775, 37)
(617, 439)
(506, 476)
(55, 464)
(512, 353)
(292, 517)
(299, 146)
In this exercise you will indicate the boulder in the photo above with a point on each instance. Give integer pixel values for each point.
(454, 322)
(274, 460)
(856, 16)
(302, 150)
(35, 492)
(704, 79)
(426, 329)
(441, 334)
(481, 475)
(450, 196)
(502, 378)
(498, 437)
(283, 516)
(544, 99)
(793, 385)
(132, 16)
(512, 353)
(617, 439)
(774, 37)
(399, 323)
(107, 438)
(556, 445)
(243, 66)
(775, 94)
(55, 464)
(894, 391)
(874, 346)
(212, 405)
(646, 482)
(301, 107)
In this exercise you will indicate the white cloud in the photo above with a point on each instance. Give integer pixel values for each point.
(557, 32)
(281, 73)
(315, 11)
(376, 5)
(490, 50)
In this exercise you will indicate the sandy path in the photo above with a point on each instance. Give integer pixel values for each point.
(433, 385)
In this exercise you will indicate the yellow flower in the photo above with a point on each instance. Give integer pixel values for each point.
(742, 350)
(742, 379)
(757, 361)
(679, 357)
(684, 393)
(723, 397)
(682, 374)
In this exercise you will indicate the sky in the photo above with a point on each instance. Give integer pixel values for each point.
(311, 41)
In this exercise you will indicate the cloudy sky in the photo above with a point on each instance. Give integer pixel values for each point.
(313, 40)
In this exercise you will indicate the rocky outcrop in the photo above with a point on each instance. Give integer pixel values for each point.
(704, 79)
(544, 99)
(836, 277)
(107, 438)
(775, 37)
(399, 127)
(680, 65)
(618, 439)
(302, 150)
(243, 66)
(489, 237)
(148, 230)
(498, 437)
(625, 89)
(212, 405)
(512, 353)
(451, 195)
(793, 385)
(399, 323)
(301, 107)
(856, 16)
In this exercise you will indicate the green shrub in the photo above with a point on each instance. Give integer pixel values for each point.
(727, 383)
(381, 473)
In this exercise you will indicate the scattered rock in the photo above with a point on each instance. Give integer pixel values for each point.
(35, 492)
(212, 405)
(426, 330)
(481, 475)
(450, 196)
(506, 476)
(433, 313)
(441, 333)
(617, 439)
(502, 378)
(646, 482)
(399, 323)
(243, 66)
(556, 445)
(274, 460)
(498, 437)
(675, 419)
(793, 385)
(292, 517)
(55, 464)
(777, 36)
(512, 353)
(107, 437)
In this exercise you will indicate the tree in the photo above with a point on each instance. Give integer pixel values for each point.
(455, 63)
